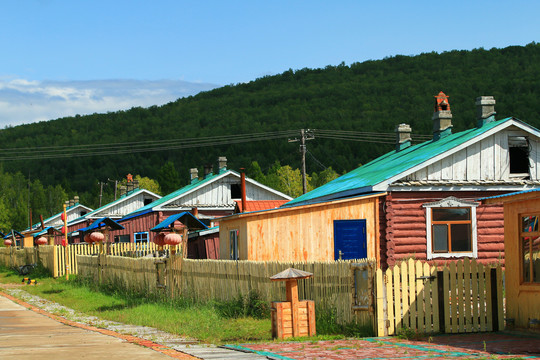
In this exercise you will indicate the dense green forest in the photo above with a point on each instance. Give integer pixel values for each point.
(371, 96)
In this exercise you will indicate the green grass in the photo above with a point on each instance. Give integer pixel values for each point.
(244, 319)
(199, 321)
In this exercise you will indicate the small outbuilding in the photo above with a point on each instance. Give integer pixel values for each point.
(522, 252)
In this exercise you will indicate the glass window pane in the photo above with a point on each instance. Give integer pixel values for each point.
(535, 255)
(526, 248)
(451, 214)
(461, 237)
(529, 223)
(440, 238)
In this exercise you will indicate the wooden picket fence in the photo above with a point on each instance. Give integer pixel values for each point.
(60, 260)
(204, 280)
(463, 296)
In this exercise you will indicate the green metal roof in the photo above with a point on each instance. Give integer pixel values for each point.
(363, 179)
(185, 189)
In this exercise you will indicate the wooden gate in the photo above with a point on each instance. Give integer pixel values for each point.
(463, 296)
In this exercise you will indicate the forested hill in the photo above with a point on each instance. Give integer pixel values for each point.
(372, 96)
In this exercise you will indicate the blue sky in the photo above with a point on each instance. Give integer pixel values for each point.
(61, 58)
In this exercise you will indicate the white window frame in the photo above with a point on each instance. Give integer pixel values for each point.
(233, 245)
(451, 202)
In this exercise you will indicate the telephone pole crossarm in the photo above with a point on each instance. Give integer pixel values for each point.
(304, 136)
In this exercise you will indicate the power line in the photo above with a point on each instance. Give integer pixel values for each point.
(85, 150)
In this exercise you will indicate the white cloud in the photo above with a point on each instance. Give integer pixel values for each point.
(27, 101)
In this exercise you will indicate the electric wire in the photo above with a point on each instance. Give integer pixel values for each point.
(101, 149)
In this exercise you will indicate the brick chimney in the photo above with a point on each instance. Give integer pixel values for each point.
(222, 164)
(194, 175)
(208, 170)
(485, 110)
(442, 117)
(76, 199)
(403, 136)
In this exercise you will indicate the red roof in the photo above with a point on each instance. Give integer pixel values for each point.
(257, 205)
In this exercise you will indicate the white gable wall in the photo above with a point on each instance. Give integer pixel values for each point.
(125, 207)
(218, 194)
(487, 160)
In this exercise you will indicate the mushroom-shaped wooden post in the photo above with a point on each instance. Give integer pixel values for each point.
(292, 317)
(8, 242)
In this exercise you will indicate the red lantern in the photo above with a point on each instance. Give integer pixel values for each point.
(173, 239)
(63, 216)
(63, 230)
(87, 238)
(97, 236)
(159, 239)
(8, 242)
(42, 240)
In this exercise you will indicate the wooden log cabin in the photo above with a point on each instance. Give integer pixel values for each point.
(416, 201)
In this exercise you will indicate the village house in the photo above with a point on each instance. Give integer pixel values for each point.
(208, 198)
(416, 201)
(134, 198)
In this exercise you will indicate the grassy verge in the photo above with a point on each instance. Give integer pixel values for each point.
(238, 321)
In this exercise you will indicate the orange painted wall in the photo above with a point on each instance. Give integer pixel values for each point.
(299, 234)
(522, 300)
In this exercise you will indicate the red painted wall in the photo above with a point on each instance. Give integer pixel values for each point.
(403, 226)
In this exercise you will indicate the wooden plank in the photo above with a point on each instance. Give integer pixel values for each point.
(380, 303)
(459, 167)
(312, 329)
(487, 157)
(420, 298)
(447, 298)
(397, 299)
(405, 296)
(467, 300)
(447, 166)
(390, 302)
(482, 324)
(473, 159)
(454, 298)
(474, 295)
(460, 296)
(489, 309)
(412, 294)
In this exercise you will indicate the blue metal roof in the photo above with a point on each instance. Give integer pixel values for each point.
(509, 194)
(2, 234)
(127, 217)
(185, 218)
(46, 231)
(105, 221)
(17, 234)
(363, 179)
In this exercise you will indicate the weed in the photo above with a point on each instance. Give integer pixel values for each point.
(409, 334)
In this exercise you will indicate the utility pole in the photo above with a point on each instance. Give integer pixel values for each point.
(115, 186)
(304, 135)
(101, 191)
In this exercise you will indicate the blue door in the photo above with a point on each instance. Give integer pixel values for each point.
(350, 239)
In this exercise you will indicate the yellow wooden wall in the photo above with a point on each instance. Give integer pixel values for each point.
(522, 301)
(301, 233)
